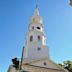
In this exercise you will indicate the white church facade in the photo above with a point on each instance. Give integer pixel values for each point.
(36, 53)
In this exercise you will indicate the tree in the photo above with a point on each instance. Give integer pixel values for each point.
(67, 65)
(70, 3)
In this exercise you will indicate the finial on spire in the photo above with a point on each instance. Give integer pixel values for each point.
(36, 10)
(36, 4)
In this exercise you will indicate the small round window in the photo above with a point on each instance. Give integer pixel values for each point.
(45, 63)
(39, 48)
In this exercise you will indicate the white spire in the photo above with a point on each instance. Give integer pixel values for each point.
(36, 12)
(36, 18)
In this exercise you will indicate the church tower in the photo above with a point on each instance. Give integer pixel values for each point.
(35, 47)
(35, 56)
(36, 53)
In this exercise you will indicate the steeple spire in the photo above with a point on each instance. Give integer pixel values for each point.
(36, 4)
(36, 9)
(36, 18)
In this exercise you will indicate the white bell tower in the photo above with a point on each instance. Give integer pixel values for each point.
(35, 48)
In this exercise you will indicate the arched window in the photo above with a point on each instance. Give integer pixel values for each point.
(31, 38)
(45, 63)
(39, 38)
(33, 27)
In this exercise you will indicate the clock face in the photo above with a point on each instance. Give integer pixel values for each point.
(38, 28)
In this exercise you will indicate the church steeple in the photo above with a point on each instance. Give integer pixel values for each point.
(35, 39)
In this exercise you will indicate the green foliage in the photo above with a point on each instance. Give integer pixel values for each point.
(67, 65)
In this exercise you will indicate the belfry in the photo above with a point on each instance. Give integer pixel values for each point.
(36, 53)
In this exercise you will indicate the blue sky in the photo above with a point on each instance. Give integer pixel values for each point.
(14, 21)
